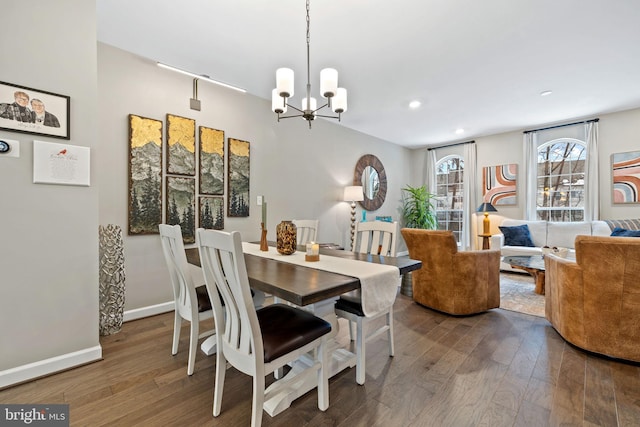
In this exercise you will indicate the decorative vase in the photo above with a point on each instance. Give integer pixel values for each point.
(111, 278)
(286, 237)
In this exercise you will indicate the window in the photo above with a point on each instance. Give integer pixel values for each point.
(560, 180)
(449, 186)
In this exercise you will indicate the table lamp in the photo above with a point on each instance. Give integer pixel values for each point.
(353, 194)
(486, 208)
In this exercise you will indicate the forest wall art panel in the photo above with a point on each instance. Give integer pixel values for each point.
(145, 175)
(211, 212)
(499, 184)
(238, 178)
(211, 161)
(181, 140)
(181, 210)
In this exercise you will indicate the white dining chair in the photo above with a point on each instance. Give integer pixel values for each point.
(376, 238)
(256, 342)
(191, 303)
(307, 230)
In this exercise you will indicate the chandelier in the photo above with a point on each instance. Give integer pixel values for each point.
(336, 96)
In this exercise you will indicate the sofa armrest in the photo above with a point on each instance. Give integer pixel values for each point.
(497, 241)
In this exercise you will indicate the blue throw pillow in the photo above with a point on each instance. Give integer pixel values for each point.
(517, 236)
(625, 233)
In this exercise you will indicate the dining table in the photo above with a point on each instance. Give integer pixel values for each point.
(313, 289)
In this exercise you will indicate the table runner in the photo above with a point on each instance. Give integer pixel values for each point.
(378, 282)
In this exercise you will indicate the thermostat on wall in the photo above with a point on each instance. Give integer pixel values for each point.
(9, 148)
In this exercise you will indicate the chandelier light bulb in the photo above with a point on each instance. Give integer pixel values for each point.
(312, 107)
(328, 82)
(284, 82)
(277, 103)
(339, 103)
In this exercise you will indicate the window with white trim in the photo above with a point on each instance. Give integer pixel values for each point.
(449, 186)
(560, 180)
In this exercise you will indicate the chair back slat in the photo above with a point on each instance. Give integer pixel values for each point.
(376, 238)
(224, 268)
(176, 259)
(307, 230)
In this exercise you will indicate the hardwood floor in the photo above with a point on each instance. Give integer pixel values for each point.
(499, 368)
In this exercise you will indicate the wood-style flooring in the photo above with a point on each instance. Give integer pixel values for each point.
(499, 368)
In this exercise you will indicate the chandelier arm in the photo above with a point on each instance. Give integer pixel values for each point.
(297, 109)
(328, 117)
(289, 117)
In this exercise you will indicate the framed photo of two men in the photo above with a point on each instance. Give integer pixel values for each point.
(34, 111)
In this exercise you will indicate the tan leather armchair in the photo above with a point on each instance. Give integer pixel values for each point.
(458, 283)
(594, 301)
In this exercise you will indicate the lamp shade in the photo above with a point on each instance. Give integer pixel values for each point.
(486, 207)
(284, 82)
(340, 101)
(277, 103)
(353, 193)
(328, 82)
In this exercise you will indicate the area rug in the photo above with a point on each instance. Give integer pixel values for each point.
(516, 294)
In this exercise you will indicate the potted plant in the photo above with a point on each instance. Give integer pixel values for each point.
(417, 209)
(417, 212)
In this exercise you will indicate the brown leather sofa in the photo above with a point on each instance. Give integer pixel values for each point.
(458, 283)
(594, 301)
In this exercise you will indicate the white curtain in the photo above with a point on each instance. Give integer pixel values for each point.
(530, 174)
(430, 171)
(470, 200)
(591, 185)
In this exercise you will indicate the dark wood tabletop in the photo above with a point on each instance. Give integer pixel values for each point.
(307, 285)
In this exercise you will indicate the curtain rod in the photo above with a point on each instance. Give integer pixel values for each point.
(561, 126)
(450, 145)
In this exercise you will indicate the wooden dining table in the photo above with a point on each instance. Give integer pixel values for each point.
(317, 291)
(307, 285)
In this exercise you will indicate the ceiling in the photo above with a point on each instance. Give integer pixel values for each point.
(476, 65)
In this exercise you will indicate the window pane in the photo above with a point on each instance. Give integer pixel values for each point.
(560, 182)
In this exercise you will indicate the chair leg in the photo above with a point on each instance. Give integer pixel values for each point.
(221, 370)
(258, 400)
(177, 324)
(390, 331)
(193, 344)
(323, 377)
(361, 345)
(351, 332)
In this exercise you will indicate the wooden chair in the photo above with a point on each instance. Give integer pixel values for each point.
(191, 303)
(307, 230)
(377, 238)
(256, 342)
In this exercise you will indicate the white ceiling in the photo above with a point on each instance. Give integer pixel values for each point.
(474, 64)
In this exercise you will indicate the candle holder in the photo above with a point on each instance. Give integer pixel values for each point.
(313, 252)
(263, 238)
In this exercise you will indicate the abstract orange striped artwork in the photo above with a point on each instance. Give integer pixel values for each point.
(499, 184)
(626, 177)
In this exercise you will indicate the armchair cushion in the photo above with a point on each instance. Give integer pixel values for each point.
(517, 236)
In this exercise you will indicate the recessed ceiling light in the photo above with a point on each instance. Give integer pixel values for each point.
(545, 93)
(459, 131)
(414, 104)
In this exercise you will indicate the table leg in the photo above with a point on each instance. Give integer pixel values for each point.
(538, 276)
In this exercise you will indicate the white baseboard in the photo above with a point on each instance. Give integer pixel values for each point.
(151, 310)
(49, 366)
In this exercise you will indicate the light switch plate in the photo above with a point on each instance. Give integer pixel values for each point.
(259, 200)
(15, 148)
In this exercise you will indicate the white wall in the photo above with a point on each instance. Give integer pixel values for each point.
(49, 233)
(300, 172)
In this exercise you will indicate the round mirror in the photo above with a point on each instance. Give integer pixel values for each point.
(371, 175)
